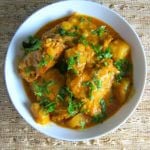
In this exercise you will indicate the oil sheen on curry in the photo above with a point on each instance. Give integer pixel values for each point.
(77, 71)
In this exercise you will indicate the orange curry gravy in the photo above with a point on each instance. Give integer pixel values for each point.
(114, 98)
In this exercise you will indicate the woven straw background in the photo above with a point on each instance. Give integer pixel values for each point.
(15, 133)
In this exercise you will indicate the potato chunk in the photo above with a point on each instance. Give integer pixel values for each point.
(39, 114)
(77, 121)
(119, 49)
(121, 90)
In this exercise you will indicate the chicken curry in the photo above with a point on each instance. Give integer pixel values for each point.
(77, 71)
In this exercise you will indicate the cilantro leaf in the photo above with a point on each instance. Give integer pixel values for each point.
(45, 60)
(97, 82)
(64, 32)
(73, 107)
(42, 89)
(101, 54)
(71, 61)
(124, 67)
(83, 40)
(82, 124)
(63, 92)
(47, 105)
(103, 106)
(100, 117)
(100, 31)
(33, 44)
(91, 87)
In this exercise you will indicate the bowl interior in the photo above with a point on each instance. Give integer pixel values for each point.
(33, 24)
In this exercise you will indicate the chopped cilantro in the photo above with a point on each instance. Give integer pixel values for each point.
(33, 44)
(42, 89)
(64, 32)
(100, 117)
(76, 27)
(73, 107)
(97, 49)
(100, 31)
(103, 106)
(97, 82)
(82, 124)
(83, 40)
(105, 63)
(71, 61)
(89, 19)
(45, 60)
(124, 67)
(47, 105)
(82, 19)
(63, 92)
(106, 53)
(91, 87)
(101, 54)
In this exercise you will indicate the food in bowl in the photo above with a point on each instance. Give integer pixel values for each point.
(77, 72)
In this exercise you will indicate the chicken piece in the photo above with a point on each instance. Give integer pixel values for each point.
(39, 114)
(76, 58)
(75, 83)
(49, 84)
(36, 63)
(90, 57)
(106, 76)
(92, 85)
(119, 49)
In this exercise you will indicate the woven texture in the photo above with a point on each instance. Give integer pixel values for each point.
(15, 133)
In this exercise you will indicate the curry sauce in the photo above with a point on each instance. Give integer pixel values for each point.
(77, 72)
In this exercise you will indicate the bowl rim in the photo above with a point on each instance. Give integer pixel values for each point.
(143, 85)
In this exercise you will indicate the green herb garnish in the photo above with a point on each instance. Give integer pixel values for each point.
(101, 54)
(100, 117)
(47, 105)
(45, 60)
(99, 31)
(91, 87)
(33, 44)
(103, 106)
(105, 63)
(89, 19)
(42, 89)
(83, 40)
(63, 92)
(97, 82)
(82, 124)
(71, 61)
(82, 19)
(124, 67)
(64, 32)
(73, 107)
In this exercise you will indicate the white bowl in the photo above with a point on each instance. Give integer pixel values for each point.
(32, 25)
